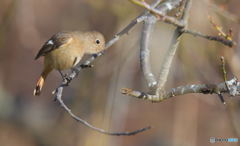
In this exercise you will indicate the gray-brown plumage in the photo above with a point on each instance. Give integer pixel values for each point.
(65, 49)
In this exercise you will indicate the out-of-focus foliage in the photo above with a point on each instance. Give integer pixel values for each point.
(185, 120)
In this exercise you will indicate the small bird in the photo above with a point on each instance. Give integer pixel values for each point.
(64, 50)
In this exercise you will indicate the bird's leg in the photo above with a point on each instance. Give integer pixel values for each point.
(62, 75)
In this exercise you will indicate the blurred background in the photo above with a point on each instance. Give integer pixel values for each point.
(188, 120)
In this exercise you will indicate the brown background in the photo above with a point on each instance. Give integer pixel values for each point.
(187, 120)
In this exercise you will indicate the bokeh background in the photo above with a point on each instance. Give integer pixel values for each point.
(188, 120)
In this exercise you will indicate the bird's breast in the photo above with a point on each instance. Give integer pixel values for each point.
(64, 57)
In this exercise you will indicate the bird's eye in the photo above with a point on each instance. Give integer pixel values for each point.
(98, 41)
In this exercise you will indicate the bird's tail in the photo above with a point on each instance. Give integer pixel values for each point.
(40, 82)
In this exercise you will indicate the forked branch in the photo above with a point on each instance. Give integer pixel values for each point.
(160, 94)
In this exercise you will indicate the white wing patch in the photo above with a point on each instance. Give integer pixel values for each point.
(50, 42)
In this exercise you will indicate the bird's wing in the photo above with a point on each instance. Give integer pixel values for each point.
(53, 43)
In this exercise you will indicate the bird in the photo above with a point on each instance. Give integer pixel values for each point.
(65, 49)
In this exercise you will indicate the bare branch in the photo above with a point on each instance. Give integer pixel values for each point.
(167, 61)
(222, 40)
(224, 71)
(233, 84)
(95, 128)
(148, 24)
(159, 13)
(160, 94)
(186, 12)
(172, 49)
(145, 52)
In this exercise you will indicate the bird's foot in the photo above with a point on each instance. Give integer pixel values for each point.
(64, 76)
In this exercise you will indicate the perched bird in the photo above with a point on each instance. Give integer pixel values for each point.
(64, 50)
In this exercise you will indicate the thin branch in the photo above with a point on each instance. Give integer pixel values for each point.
(167, 61)
(224, 69)
(172, 49)
(224, 72)
(186, 12)
(145, 53)
(95, 128)
(159, 13)
(233, 84)
(138, 19)
(222, 40)
(148, 25)
(231, 87)
(225, 80)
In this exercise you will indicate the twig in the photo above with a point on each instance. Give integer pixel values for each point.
(145, 53)
(224, 72)
(95, 128)
(186, 12)
(224, 78)
(167, 61)
(234, 90)
(220, 30)
(172, 49)
(224, 69)
(160, 94)
(222, 40)
(159, 13)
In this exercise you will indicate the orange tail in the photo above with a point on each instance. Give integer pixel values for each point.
(39, 86)
(40, 82)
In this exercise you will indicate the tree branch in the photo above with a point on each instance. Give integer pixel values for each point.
(222, 40)
(160, 94)
(168, 60)
(159, 13)
(145, 53)
(233, 84)
(172, 49)
(148, 25)
(68, 110)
